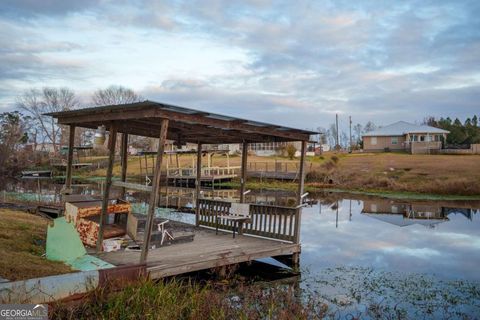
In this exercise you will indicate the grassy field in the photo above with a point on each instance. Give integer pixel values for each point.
(369, 172)
(22, 244)
(430, 174)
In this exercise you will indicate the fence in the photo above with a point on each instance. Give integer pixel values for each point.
(474, 149)
(206, 171)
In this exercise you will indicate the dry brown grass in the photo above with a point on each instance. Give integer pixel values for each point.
(22, 244)
(439, 174)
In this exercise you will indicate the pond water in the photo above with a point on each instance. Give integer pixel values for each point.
(359, 251)
(440, 238)
(380, 258)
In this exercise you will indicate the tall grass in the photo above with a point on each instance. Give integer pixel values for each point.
(177, 299)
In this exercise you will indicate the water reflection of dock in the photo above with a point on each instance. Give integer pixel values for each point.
(183, 198)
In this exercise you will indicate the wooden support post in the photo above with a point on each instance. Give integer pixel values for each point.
(301, 185)
(146, 164)
(68, 178)
(124, 152)
(198, 184)
(243, 171)
(112, 138)
(155, 190)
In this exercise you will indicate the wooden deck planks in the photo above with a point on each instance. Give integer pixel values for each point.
(206, 251)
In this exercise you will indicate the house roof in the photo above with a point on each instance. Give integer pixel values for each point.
(401, 221)
(401, 128)
(185, 125)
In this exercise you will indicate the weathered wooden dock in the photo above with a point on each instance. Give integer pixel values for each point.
(269, 231)
(207, 250)
(209, 176)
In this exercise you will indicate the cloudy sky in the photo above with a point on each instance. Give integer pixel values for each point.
(294, 62)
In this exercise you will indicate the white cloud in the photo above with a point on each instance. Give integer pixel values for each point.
(295, 62)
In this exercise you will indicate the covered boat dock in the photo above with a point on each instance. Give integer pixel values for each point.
(270, 231)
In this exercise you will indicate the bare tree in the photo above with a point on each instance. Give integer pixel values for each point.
(332, 135)
(12, 135)
(114, 95)
(344, 140)
(357, 129)
(370, 126)
(322, 135)
(430, 121)
(120, 95)
(36, 103)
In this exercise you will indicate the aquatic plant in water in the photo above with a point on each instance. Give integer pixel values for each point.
(359, 292)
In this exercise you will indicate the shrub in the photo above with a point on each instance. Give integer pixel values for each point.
(329, 165)
(290, 149)
(316, 176)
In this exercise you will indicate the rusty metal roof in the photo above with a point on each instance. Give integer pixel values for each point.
(185, 124)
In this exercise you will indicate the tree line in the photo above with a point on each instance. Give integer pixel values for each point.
(464, 133)
(29, 124)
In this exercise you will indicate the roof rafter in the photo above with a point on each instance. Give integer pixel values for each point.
(189, 124)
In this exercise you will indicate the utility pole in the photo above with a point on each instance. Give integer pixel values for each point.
(350, 120)
(337, 145)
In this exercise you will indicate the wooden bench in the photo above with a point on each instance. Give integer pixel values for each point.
(239, 213)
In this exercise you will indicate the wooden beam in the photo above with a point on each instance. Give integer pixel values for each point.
(155, 112)
(155, 190)
(71, 142)
(215, 136)
(243, 173)
(301, 189)
(198, 184)
(133, 186)
(124, 153)
(112, 139)
(188, 130)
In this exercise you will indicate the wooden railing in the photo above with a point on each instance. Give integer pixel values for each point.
(207, 171)
(272, 222)
(271, 166)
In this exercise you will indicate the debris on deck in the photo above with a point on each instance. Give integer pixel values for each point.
(64, 244)
(136, 229)
(85, 215)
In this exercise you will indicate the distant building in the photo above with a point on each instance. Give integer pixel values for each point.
(404, 136)
(278, 148)
(270, 148)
